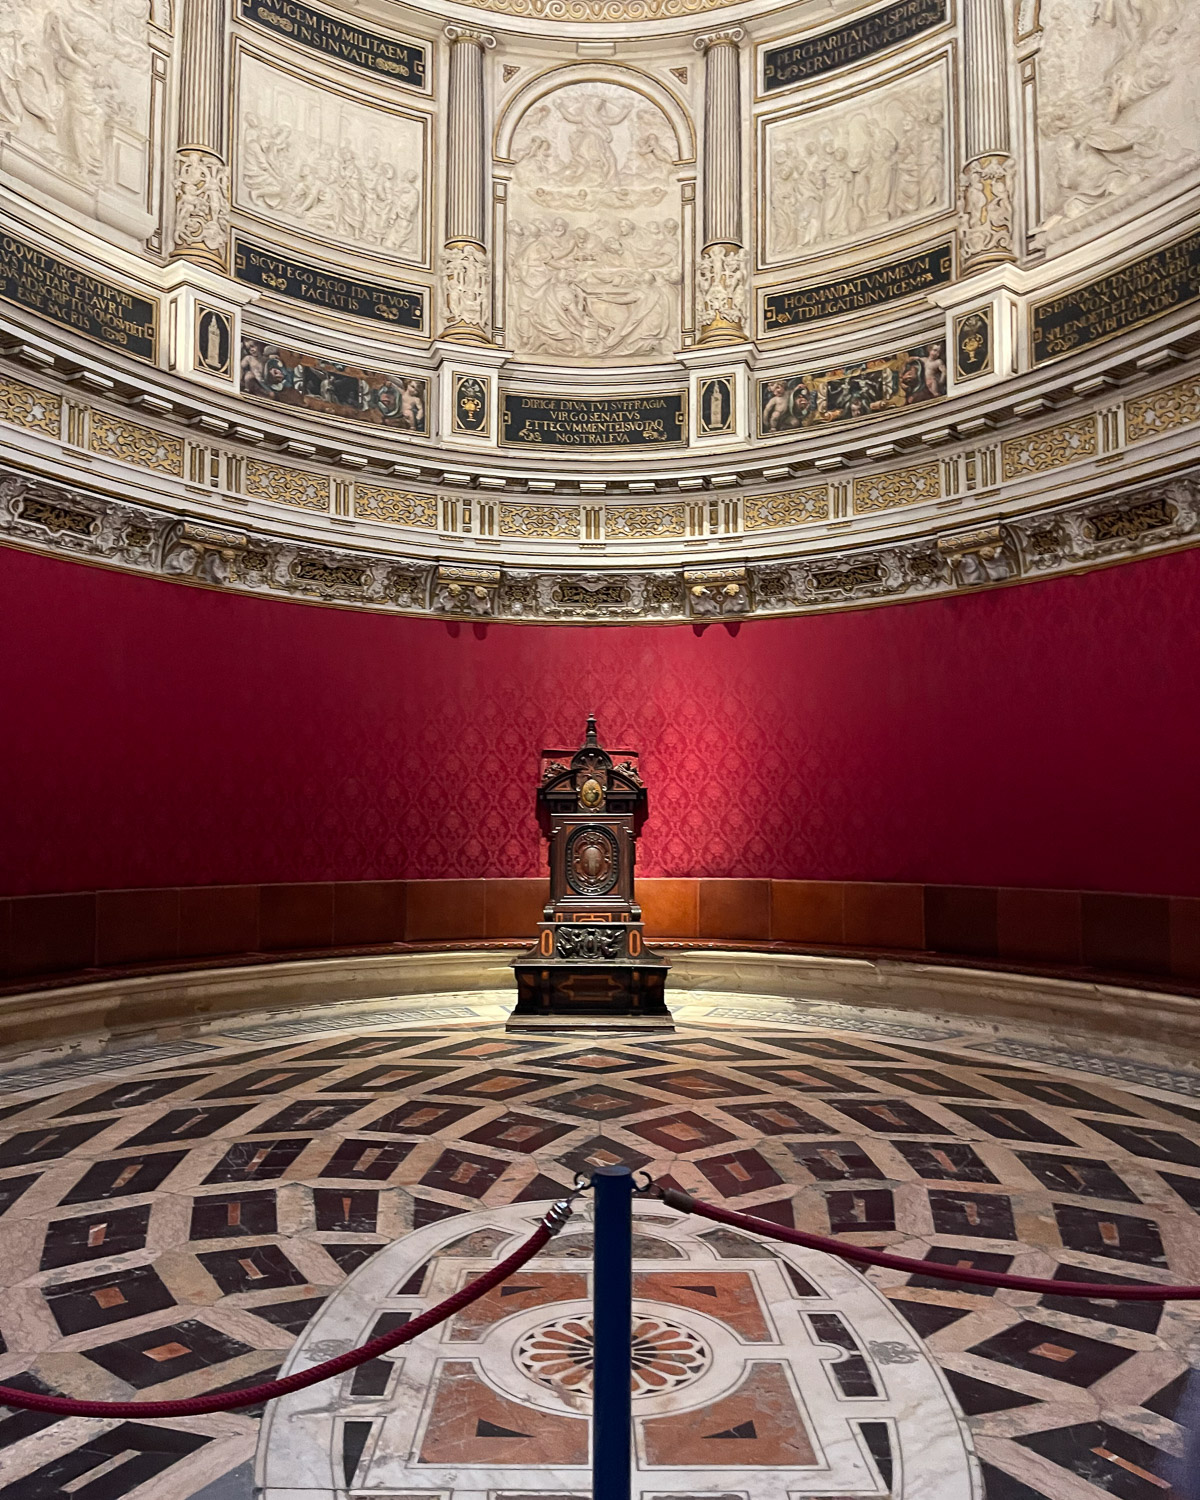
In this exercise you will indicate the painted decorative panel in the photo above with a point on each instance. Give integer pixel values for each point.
(857, 389)
(594, 246)
(1118, 112)
(788, 508)
(848, 171)
(272, 372)
(75, 103)
(319, 162)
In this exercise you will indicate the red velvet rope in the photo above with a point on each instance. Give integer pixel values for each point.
(195, 1406)
(686, 1204)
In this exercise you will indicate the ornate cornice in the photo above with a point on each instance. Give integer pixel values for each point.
(77, 523)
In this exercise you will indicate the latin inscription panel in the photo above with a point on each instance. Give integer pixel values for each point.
(1101, 309)
(592, 421)
(31, 278)
(395, 60)
(797, 62)
(831, 299)
(403, 307)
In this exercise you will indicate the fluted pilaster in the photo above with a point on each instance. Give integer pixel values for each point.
(201, 175)
(721, 271)
(987, 181)
(465, 267)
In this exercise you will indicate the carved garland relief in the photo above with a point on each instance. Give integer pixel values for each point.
(594, 258)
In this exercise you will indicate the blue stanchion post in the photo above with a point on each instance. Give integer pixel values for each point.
(612, 1320)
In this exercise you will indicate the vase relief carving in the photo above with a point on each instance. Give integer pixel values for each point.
(324, 165)
(842, 172)
(75, 98)
(1117, 111)
(594, 247)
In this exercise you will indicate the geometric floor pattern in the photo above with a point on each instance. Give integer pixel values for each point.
(173, 1227)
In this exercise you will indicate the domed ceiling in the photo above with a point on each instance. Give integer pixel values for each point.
(599, 308)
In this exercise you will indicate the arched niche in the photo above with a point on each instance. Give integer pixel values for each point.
(595, 235)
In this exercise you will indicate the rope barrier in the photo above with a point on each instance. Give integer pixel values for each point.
(676, 1198)
(195, 1406)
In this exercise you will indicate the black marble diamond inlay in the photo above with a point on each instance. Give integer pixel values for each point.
(233, 1215)
(354, 1209)
(1154, 1145)
(126, 1457)
(928, 1318)
(308, 1114)
(806, 1080)
(1010, 1124)
(600, 1151)
(925, 1081)
(386, 1078)
(49, 1143)
(11, 1188)
(888, 1115)
(1059, 1092)
(124, 1176)
(420, 1117)
(1077, 1174)
(988, 1215)
(266, 1083)
(190, 1123)
(250, 1268)
(869, 1209)
(1108, 1457)
(779, 1117)
(97, 1301)
(95, 1236)
(130, 1094)
(1042, 1350)
(595, 1101)
(836, 1161)
(373, 1160)
(149, 1358)
(460, 1172)
(979, 1260)
(697, 1083)
(1145, 1316)
(978, 1397)
(1118, 1236)
(517, 1132)
(291, 1316)
(257, 1161)
(946, 1160)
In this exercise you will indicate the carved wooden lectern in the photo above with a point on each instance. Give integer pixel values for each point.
(590, 961)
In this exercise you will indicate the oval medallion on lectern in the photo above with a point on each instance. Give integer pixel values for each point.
(592, 861)
(591, 793)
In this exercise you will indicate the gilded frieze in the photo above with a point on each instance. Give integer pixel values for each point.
(787, 508)
(846, 393)
(1175, 405)
(374, 502)
(629, 522)
(134, 444)
(1049, 448)
(292, 377)
(544, 521)
(898, 487)
(25, 406)
(286, 486)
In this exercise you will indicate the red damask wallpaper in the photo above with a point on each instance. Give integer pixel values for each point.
(160, 734)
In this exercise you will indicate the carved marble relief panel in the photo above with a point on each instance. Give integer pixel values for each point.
(316, 161)
(594, 258)
(75, 103)
(849, 171)
(1117, 107)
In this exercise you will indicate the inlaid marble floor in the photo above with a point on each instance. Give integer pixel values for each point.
(193, 1216)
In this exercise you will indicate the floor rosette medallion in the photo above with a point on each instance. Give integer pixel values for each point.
(763, 1371)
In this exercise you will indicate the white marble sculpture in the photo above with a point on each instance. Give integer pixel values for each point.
(850, 170)
(320, 163)
(1118, 112)
(594, 256)
(75, 97)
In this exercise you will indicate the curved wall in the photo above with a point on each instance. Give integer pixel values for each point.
(161, 734)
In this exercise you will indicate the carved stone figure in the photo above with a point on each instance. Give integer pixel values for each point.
(1116, 110)
(201, 204)
(986, 225)
(74, 88)
(839, 173)
(594, 254)
(721, 281)
(465, 288)
(323, 164)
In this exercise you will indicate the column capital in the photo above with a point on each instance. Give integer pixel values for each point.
(729, 37)
(474, 34)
